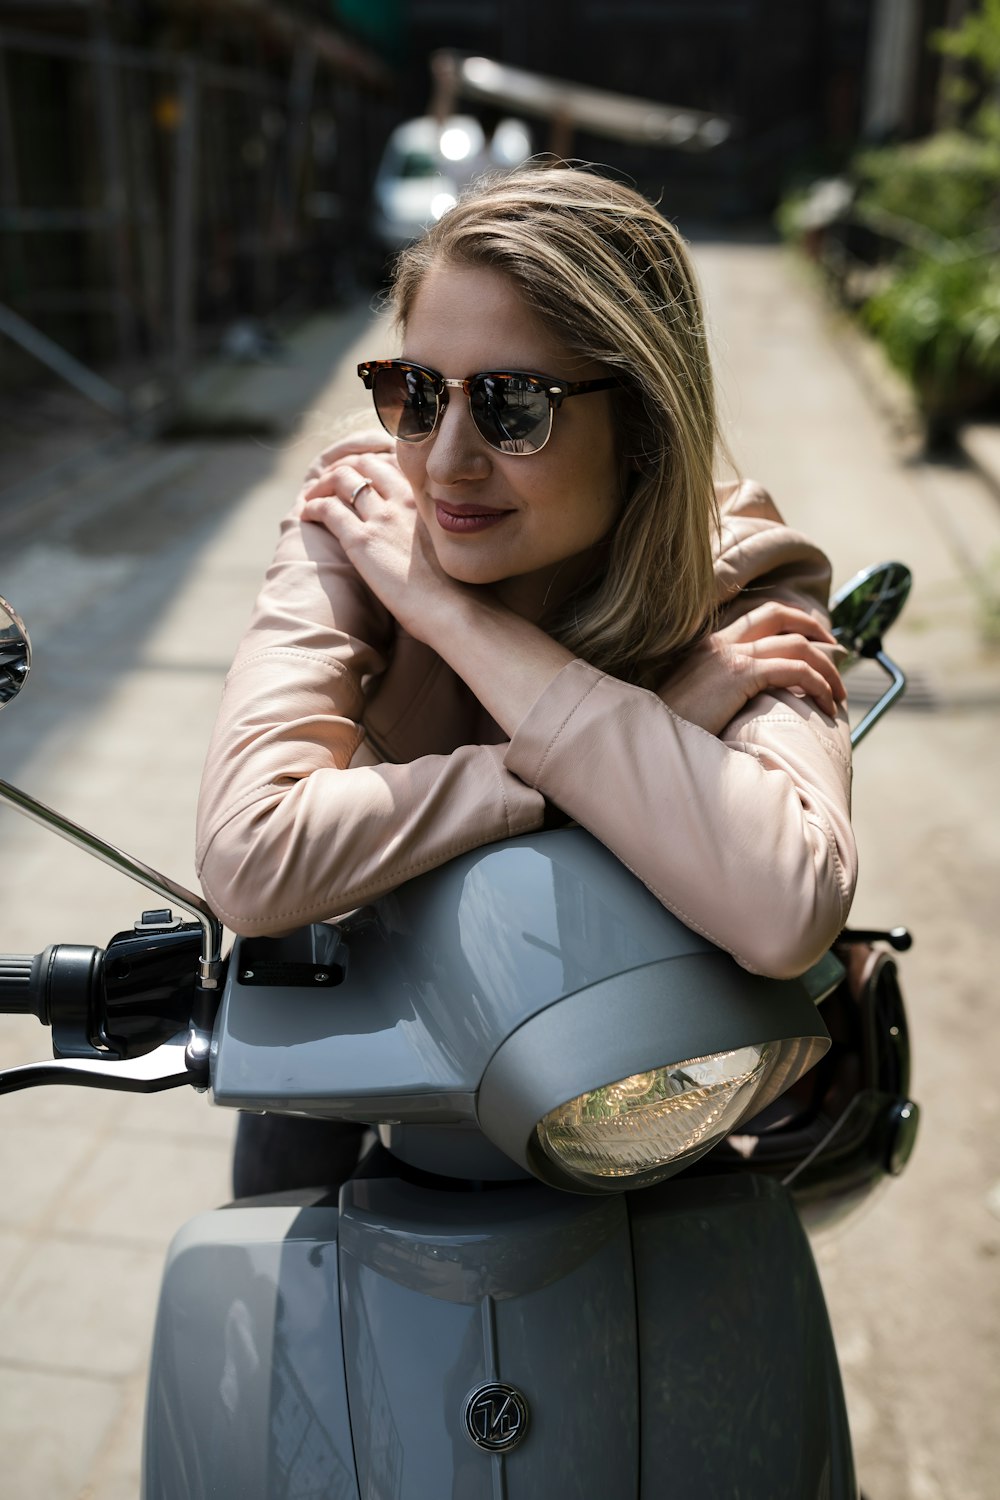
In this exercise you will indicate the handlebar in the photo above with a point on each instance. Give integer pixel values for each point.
(58, 985)
(115, 1002)
(17, 984)
(123, 1017)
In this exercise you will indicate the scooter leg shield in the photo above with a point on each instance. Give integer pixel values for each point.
(247, 1398)
(513, 1341)
(740, 1387)
(480, 1333)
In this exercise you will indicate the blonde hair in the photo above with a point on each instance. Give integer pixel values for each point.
(604, 271)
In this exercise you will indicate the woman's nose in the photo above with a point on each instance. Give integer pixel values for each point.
(457, 451)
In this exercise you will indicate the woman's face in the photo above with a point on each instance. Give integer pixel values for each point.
(549, 507)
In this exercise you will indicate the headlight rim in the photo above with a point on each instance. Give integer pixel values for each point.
(693, 1005)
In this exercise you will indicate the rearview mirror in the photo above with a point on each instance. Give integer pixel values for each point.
(15, 653)
(860, 614)
(862, 611)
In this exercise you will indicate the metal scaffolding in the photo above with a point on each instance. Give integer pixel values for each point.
(151, 195)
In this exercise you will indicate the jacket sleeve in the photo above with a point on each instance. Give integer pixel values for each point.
(746, 837)
(289, 830)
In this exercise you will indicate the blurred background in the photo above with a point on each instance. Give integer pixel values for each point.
(199, 200)
(181, 177)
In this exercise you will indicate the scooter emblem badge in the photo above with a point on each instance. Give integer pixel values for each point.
(496, 1417)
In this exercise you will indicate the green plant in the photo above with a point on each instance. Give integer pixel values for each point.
(948, 183)
(940, 319)
(976, 40)
(931, 210)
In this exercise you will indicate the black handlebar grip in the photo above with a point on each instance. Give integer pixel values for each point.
(59, 985)
(21, 993)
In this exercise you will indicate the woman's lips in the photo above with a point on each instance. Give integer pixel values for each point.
(465, 519)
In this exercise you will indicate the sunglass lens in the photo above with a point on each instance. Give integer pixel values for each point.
(406, 402)
(512, 412)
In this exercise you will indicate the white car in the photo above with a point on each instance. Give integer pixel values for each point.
(425, 165)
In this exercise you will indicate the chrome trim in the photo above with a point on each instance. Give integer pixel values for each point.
(210, 964)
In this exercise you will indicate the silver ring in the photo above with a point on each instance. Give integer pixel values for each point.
(365, 483)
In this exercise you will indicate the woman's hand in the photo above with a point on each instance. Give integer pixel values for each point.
(362, 498)
(773, 646)
(368, 440)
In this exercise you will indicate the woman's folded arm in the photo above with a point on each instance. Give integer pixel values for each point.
(290, 832)
(746, 837)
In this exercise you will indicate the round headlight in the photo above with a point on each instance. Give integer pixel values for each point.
(642, 1124)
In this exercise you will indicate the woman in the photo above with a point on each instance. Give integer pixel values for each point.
(526, 601)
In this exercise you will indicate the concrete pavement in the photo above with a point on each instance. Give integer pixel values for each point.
(136, 580)
(136, 586)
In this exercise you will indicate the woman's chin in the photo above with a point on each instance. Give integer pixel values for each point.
(463, 567)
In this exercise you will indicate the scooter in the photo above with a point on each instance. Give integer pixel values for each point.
(575, 1259)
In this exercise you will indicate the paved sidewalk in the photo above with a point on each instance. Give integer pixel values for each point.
(137, 588)
(135, 592)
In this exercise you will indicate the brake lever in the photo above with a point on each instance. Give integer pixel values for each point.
(182, 1060)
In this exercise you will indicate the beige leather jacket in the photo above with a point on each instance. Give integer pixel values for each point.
(348, 757)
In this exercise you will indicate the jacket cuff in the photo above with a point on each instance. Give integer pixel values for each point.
(537, 736)
(521, 808)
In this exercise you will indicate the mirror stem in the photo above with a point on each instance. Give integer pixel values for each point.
(897, 686)
(210, 966)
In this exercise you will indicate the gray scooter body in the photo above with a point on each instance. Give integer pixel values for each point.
(669, 1341)
(453, 1326)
